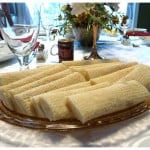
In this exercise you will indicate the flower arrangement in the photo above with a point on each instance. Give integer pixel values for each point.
(106, 15)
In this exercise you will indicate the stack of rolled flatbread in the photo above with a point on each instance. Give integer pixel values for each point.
(82, 90)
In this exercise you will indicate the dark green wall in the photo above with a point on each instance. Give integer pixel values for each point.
(144, 16)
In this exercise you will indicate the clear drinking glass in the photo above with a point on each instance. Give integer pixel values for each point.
(124, 28)
(21, 35)
(47, 20)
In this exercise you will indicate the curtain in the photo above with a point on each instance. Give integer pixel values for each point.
(5, 8)
(132, 13)
(16, 12)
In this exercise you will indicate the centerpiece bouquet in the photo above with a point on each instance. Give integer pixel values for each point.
(79, 18)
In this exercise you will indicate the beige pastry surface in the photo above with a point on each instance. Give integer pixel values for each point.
(81, 90)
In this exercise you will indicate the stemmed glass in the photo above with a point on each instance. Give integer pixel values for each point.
(47, 21)
(125, 26)
(21, 35)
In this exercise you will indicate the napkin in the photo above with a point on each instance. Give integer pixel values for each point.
(137, 33)
(26, 39)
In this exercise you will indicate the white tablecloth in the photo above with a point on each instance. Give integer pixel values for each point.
(129, 133)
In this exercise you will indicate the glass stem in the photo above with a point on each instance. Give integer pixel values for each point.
(47, 34)
(24, 62)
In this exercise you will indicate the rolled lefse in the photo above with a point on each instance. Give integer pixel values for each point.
(53, 105)
(119, 96)
(74, 86)
(40, 82)
(140, 73)
(88, 62)
(9, 77)
(61, 74)
(95, 69)
(100, 71)
(35, 107)
(6, 101)
(112, 77)
(5, 95)
(22, 101)
(102, 64)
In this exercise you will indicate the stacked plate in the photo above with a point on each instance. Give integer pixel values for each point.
(141, 33)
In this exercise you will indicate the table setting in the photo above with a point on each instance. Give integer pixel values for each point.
(117, 134)
(60, 93)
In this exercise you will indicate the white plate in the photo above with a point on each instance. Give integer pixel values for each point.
(5, 53)
(145, 39)
(138, 29)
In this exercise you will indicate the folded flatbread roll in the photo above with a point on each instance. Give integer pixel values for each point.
(140, 73)
(6, 78)
(74, 86)
(40, 82)
(22, 101)
(5, 95)
(98, 71)
(35, 107)
(88, 62)
(112, 77)
(54, 104)
(119, 96)
(85, 68)
(102, 64)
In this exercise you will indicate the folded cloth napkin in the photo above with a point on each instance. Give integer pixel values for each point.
(137, 33)
(36, 45)
(26, 39)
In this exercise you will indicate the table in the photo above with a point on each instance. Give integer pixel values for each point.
(130, 133)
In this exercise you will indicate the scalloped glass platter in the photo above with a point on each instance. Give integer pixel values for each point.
(66, 125)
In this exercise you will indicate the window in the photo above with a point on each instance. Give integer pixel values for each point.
(53, 8)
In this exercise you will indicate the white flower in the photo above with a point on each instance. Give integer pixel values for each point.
(77, 8)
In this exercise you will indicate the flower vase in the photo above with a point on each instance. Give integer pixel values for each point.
(84, 36)
(94, 54)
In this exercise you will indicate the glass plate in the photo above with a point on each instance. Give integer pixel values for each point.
(63, 125)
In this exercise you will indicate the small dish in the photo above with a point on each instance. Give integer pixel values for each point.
(138, 29)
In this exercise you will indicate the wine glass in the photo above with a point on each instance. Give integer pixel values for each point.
(48, 21)
(21, 35)
(125, 26)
